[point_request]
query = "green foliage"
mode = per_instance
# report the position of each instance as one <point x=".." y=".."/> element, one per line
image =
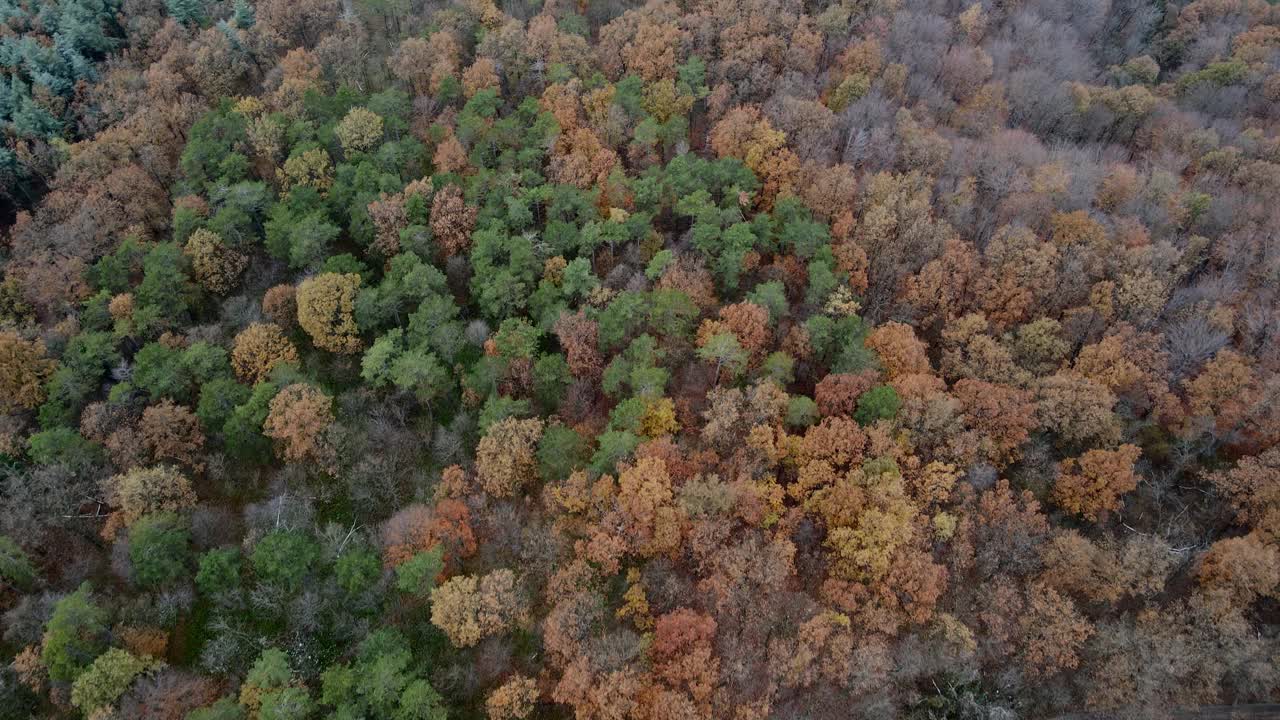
<point x="357" y="570"/>
<point x="614" y="446"/>
<point x="561" y="451"/>
<point x="224" y="709"/>
<point x="498" y="407"/>
<point x="242" y="432"/>
<point x="415" y="369"/>
<point x="504" y="271"/>
<point x="63" y="446"/>
<point x="658" y="264"/>
<point x="771" y="296"/>
<point x="879" y="403"/>
<point x="779" y="367"/>
<point x="672" y="314"/>
<point x="166" y="294"/>
<point x="636" y="369"/>
<point x="50" y="48"/>
<point x="158" y="549"/>
<point x="219" y="398"/>
<point x="381" y="683"/>
<point x="219" y="571"/>
<point x="291" y="703"/>
<point x="74" y="636"/>
<point x="417" y="576"/>
<point x="802" y="411"/>
<point x="621" y="318"/>
<point x="176" y="374"/>
<point x="107" y="679"/>
<point x="187" y="12"/>
<point x="551" y="378"/>
<point x="284" y="558"/>
<point x="243" y="14"/>
<point x="725" y="352"/>
<point x="271" y="670"/>
<point x="120" y="269"/>
<point x="15" y="567"/>
<point x="213" y="154"/>
<point x="86" y="359"/>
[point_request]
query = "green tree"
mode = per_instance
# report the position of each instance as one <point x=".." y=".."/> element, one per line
<point x="158" y="549"/>
<point x="107" y="679"/>
<point x="243" y="14"/>
<point x="15" y="567"/>
<point x="219" y="571"/>
<point x="224" y="709"/>
<point x="74" y="635"/>
<point x="357" y="570"/>
<point x="187" y="12"/>
<point x="724" y="351"/>
<point x="879" y="403"/>
<point x="561" y="451"/>
<point x="417" y="576"/>
<point x="285" y="557"/>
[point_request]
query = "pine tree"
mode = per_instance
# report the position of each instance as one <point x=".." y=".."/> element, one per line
<point x="187" y="12"/>
<point x="243" y="15"/>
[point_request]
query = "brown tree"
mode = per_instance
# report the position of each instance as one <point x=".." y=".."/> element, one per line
<point x="172" y="433"/>
<point x="1245" y="568"/>
<point x="280" y="305"/>
<point x="505" y="456"/>
<point x="258" y="349"/>
<point x="217" y="267"/>
<point x="298" y="420"/>
<point x="1053" y="632"/>
<point x="1093" y="483"/>
<point x="23" y="372"/>
<point x="146" y="490"/>
<point x="515" y="699"/>
<point x="469" y="608"/>
<point x="578" y="336"/>
<point x="326" y="307"/>
<point x="452" y="221"/>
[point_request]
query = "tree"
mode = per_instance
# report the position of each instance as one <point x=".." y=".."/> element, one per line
<point x="217" y="267"/>
<point x="1093" y="483"/>
<point x="452" y="220"/>
<point x="515" y="699"/>
<point x="187" y="12"/>
<point x="258" y="349"/>
<point x="107" y="679"/>
<point x="578" y="335"/>
<point x="74" y="636"/>
<point x="280" y="305"/>
<point x="142" y="491"/>
<point x="505" y="456"/>
<point x="284" y="557"/>
<point x="879" y="403"/>
<point x="172" y="433"/>
<point x="1053" y="632"/>
<point x="243" y="14"/>
<point x="899" y="349"/>
<point x="838" y="393"/>
<point x="219" y="571"/>
<point x="1245" y="568"/>
<point x="158" y="549"/>
<point x="359" y="131"/>
<point x="724" y="351"/>
<point x="15" y="567"/>
<point x="470" y="608"/>
<point x="24" y="369"/>
<point x="299" y="418"/>
<point x="326" y="306"/>
<point x="1077" y="409"/>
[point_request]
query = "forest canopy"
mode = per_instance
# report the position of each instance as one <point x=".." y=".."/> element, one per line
<point x="413" y="360"/>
